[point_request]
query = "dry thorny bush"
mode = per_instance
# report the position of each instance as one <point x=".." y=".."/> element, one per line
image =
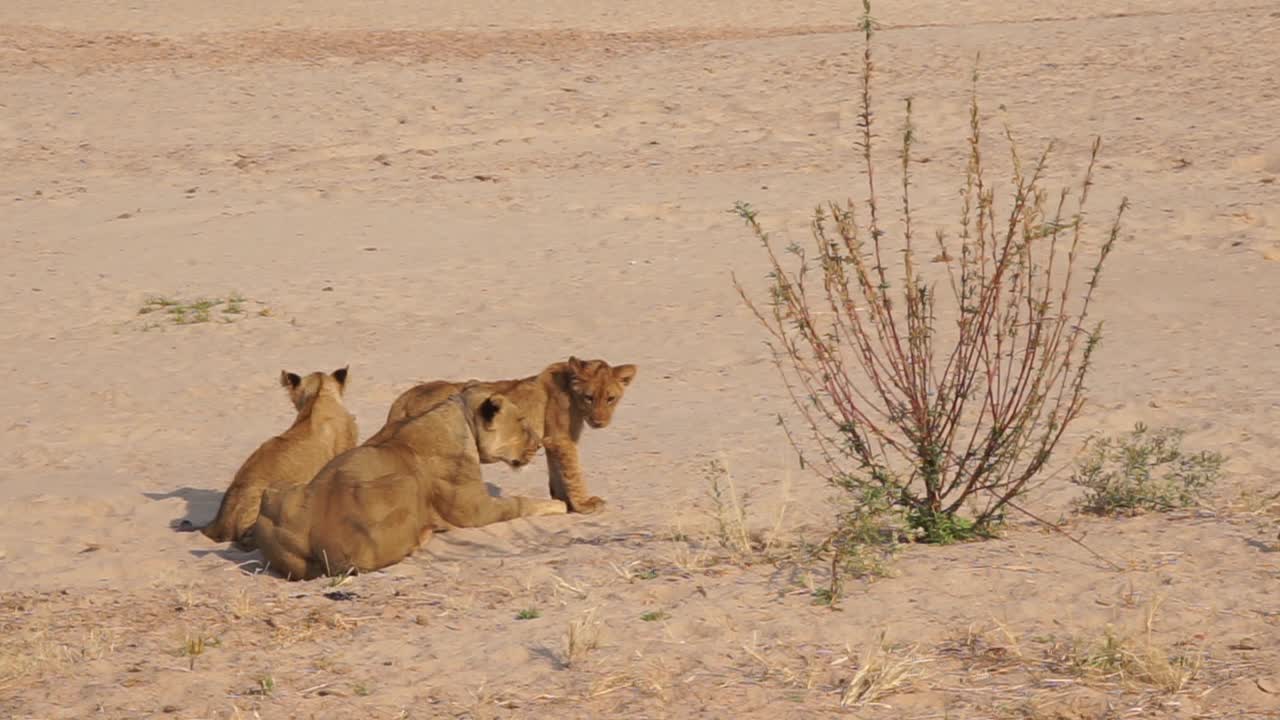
<point x="949" y="432"/>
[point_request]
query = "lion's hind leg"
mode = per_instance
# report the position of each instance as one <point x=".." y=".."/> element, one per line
<point x="381" y="524"/>
<point x="286" y="550"/>
<point x="286" y="553"/>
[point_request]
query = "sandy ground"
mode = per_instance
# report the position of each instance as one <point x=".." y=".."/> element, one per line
<point x="483" y="188"/>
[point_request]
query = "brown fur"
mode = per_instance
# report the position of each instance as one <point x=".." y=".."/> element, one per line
<point x="323" y="429"/>
<point x="559" y="401"/>
<point x="374" y="505"/>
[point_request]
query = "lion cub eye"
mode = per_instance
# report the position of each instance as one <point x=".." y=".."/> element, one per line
<point x="613" y="399"/>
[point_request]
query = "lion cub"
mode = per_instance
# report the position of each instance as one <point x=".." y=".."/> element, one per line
<point x="559" y="401"/>
<point x="322" y="430"/>
<point x="373" y="506"/>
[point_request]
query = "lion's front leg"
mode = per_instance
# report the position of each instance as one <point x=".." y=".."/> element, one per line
<point x="534" y="507"/>
<point x="566" y="479"/>
<point x="476" y="508"/>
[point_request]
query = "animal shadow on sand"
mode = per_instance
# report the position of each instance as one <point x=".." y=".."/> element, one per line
<point x="249" y="561"/>
<point x="202" y="505"/>
<point x="1262" y="545"/>
<point x="512" y="540"/>
<point x="558" y="662"/>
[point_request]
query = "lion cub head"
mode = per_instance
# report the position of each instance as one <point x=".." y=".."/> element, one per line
<point x="597" y="388"/>
<point x="503" y="433"/>
<point x="303" y="389"/>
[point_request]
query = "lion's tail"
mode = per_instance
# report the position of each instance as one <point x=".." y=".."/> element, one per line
<point x="270" y="502"/>
<point x="222" y="527"/>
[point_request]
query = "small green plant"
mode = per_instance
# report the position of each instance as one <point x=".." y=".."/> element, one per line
<point x="646" y="574"/>
<point x="729" y="510"/>
<point x="654" y="616"/>
<point x="1107" y="656"/>
<point x="361" y="689"/>
<point x="194" y="646"/>
<point x="266" y="686"/>
<point x="199" y="310"/>
<point x="528" y="614"/>
<point x="943" y="529"/>
<point x="1144" y="470"/>
<point x="863" y="542"/>
<point x="156" y="303"/>
<point x="826" y="596"/>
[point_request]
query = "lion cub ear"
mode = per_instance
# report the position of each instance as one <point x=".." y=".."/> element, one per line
<point x="341" y="375"/>
<point x="290" y="380"/>
<point x="576" y="366"/>
<point x="490" y="407"/>
<point x="624" y="374"/>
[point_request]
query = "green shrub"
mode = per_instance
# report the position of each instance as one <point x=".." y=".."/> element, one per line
<point x="1143" y="470"/>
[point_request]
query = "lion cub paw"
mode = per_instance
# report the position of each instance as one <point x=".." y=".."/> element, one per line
<point x="592" y="504"/>
<point x="549" y="507"/>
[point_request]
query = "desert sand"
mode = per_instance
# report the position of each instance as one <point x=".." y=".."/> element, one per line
<point x="455" y="190"/>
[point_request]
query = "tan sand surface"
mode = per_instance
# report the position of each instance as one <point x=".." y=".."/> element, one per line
<point x="454" y="190"/>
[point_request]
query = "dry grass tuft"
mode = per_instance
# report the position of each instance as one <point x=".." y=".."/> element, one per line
<point x="689" y="556"/>
<point x="562" y="586"/>
<point x="242" y="606"/>
<point x="1132" y="662"/>
<point x="986" y="649"/>
<point x="32" y="652"/>
<point x="884" y="670"/>
<point x="732" y="532"/>
<point x="798" y="668"/>
<point x="652" y="676"/>
<point x="731" y="536"/>
<point x="881" y="671"/>
<point x="582" y="638"/>
<point x="1105" y="660"/>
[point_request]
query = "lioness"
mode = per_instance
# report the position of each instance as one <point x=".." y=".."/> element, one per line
<point x="373" y="506"/>
<point x="322" y="430"/>
<point x="558" y="400"/>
